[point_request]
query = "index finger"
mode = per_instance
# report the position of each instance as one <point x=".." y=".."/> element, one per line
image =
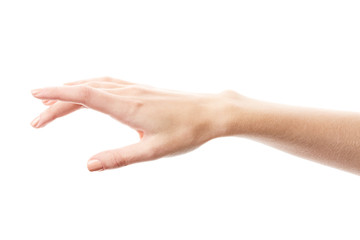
<point x="84" y="95"/>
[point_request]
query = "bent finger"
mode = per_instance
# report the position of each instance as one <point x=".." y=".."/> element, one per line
<point x="55" y="111"/>
<point x="90" y="97"/>
<point x="84" y="95"/>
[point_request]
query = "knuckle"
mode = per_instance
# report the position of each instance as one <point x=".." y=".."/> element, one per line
<point x="90" y="84"/>
<point x="106" y="79"/>
<point x="230" y="93"/>
<point x="85" y="92"/>
<point x="119" y="161"/>
<point x="93" y="84"/>
<point x="135" y="89"/>
<point x="131" y="111"/>
<point x="129" y="88"/>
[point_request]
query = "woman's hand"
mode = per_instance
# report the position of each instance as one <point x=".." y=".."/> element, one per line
<point x="171" y="122"/>
<point x="168" y="122"/>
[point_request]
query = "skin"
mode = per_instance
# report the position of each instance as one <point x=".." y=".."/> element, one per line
<point x="172" y="122"/>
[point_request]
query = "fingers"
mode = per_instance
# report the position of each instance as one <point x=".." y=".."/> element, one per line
<point x="100" y="85"/>
<point x="103" y="79"/>
<point x="64" y="108"/>
<point x="84" y="95"/>
<point x="128" y="91"/>
<point x="95" y="84"/>
<point x="138" y="152"/>
<point x="55" y="111"/>
<point x="103" y="85"/>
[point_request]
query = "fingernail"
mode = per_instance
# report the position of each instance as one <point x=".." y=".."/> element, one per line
<point x="35" y="122"/>
<point x="36" y="91"/>
<point x="95" y="165"/>
<point x="49" y="102"/>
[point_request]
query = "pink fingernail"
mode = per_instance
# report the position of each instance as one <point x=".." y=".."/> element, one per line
<point x="94" y="165"/>
<point x="35" y="122"/>
<point x="36" y="91"/>
<point x="49" y="102"/>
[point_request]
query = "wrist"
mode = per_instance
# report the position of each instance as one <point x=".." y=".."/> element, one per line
<point x="237" y="115"/>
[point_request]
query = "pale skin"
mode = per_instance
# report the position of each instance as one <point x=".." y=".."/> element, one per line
<point x="172" y="122"/>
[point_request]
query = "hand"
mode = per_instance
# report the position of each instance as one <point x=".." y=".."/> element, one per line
<point x="168" y="122"/>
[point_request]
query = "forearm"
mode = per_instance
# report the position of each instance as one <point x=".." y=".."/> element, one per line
<point x="328" y="137"/>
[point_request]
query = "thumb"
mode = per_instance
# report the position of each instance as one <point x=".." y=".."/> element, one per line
<point x="115" y="158"/>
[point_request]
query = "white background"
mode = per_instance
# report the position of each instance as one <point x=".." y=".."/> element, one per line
<point x="295" y="52"/>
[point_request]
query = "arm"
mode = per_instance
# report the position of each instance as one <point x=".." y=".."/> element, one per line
<point x="328" y="137"/>
<point x="171" y="122"/>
